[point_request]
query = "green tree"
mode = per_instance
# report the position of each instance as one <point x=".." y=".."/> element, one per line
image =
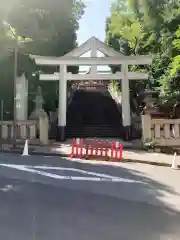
<point x="150" y="27"/>
<point x="170" y="81"/>
<point x="44" y="27"/>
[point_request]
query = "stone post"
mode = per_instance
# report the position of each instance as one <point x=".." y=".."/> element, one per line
<point x="146" y="127"/>
<point x="21" y="98"/>
<point x="44" y="130"/>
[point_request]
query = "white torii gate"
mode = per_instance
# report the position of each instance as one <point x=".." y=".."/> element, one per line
<point x="112" y="57"/>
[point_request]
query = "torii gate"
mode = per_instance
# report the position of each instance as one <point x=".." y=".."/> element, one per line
<point x="112" y="57"/>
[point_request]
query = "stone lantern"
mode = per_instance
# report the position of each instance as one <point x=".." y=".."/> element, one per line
<point x="149" y="100"/>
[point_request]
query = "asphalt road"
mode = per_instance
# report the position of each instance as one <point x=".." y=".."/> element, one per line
<point x="51" y="199"/>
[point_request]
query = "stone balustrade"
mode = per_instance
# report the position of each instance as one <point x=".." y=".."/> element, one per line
<point x="24" y="129"/>
<point x="33" y="130"/>
<point x="164" y="132"/>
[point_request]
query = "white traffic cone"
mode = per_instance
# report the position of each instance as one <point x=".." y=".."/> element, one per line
<point x="25" y="151"/>
<point x="174" y="163"/>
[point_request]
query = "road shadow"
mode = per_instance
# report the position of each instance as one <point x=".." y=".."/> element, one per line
<point x="37" y="207"/>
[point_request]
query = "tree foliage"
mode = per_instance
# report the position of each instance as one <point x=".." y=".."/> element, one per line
<point x="150" y="27"/>
<point x="43" y="27"/>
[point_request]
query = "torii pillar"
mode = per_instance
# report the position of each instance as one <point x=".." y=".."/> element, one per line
<point x="126" y="112"/>
<point x="61" y="126"/>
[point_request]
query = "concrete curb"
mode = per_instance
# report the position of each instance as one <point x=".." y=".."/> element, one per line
<point x="34" y="153"/>
<point x="31" y="152"/>
<point x="162" y="164"/>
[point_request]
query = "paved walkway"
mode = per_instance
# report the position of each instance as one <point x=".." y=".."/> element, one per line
<point x="64" y="149"/>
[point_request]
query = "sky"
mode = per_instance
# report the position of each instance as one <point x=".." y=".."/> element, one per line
<point x="93" y="21"/>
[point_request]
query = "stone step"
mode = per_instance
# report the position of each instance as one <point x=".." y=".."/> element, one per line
<point x="95" y="131"/>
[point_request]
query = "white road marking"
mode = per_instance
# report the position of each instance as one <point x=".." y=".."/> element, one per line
<point x="76" y="170"/>
<point x="64" y="169"/>
<point x="7" y="188"/>
<point x="101" y="177"/>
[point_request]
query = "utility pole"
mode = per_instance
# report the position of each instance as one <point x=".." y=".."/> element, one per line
<point x="14" y="86"/>
<point x="16" y="50"/>
<point x="2" y="117"/>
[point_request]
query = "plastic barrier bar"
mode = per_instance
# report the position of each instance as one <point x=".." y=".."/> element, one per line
<point x="106" y="148"/>
<point x="77" y="148"/>
<point x="116" y="151"/>
<point x="96" y="149"/>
